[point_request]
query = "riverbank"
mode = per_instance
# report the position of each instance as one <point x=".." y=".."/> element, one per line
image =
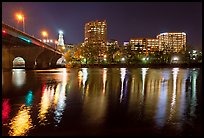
<point x="192" y="65"/>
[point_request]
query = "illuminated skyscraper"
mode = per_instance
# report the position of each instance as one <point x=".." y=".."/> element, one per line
<point x="172" y="42"/>
<point x="95" y="35"/>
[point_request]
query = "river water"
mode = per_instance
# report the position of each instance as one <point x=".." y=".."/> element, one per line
<point x="102" y="101"/>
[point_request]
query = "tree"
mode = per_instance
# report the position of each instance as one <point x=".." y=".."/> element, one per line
<point x="68" y="56"/>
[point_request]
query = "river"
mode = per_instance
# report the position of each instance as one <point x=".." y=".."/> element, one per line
<point x="102" y="101"/>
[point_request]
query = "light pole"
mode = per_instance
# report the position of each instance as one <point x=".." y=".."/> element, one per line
<point x="21" y="17"/>
<point x="44" y="34"/>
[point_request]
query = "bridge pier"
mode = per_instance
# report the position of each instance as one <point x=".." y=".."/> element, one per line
<point x="46" y="59"/>
<point x="6" y="62"/>
<point x="54" y="60"/>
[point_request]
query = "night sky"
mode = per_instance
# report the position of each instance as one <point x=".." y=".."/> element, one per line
<point x="125" y="20"/>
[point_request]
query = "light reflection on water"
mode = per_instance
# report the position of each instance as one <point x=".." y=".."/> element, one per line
<point x="18" y="77"/>
<point x="163" y="96"/>
<point x="21" y="123"/>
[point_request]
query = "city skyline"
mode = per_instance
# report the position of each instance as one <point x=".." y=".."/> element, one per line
<point x="124" y="20"/>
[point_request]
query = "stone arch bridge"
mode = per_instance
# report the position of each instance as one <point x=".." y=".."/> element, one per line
<point x="36" y="54"/>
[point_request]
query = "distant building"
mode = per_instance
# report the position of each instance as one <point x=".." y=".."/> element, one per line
<point x="96" y="35"/>
<point x="125" y="43"/>
<point x="172" y="42"/>
<point x="195" y="55"/>
<point x="112" y="43"/>
<point x="60" y="40"/>
<point x="145" y="45"/>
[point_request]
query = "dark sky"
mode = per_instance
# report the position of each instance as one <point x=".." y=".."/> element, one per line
<point x="125" y="20"/>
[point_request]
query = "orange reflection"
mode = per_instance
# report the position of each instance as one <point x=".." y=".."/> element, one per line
<point x="45" y="104"/>
<point x="21" y="123"/>
<point x="104" y="79"/>
<point x="80" y="78"/>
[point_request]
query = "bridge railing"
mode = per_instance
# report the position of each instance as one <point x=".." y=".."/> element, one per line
<point x="22" y="35"/>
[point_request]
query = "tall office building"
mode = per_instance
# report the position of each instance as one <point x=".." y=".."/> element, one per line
<point x="172" y="42"/>
<point x="96" y="35"/>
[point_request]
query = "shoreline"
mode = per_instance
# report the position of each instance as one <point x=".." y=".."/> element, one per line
<point x="194" y="65"/>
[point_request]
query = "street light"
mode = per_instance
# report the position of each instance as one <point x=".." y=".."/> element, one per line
<point x="20" y="17"/>
<point x="44" y="34"/>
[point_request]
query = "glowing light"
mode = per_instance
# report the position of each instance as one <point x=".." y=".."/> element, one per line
<point x="144" y="72"/>
<point x="25" y="39"/>
<point x="104" y="79"/>
<point x="163" y="33"/>
<point x="123" y="59"/>
<point x="44" y="33"/>
<point x="84" y="79"/>
<point x="61" y="97"/>
<point x="51" y="41"/>
<point x="3" y="31"/>
<point x="18" y="62"/>
<point x="194" y="51"/>
<point x="193" y="105"/>
<point x="20" y="17"/>
<point x="29" y="98"/>
<point x="175" y="74"/>
<point x="21" y="123"/>
<point x="44" y="105"/>
<point x="60" y="104"/>
<point x="6" y="109"/>
<point x="19" y="77"/>
<point x="161" y="105"/>
<point x="122" y="72"/>
<point x="80" y="78"/>
<point x="60" y="32"/>
<point x="175" y="58"/>
<point x="48" y="40"/>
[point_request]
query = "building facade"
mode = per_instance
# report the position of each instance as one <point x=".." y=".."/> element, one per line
<point x="172" y="42"/>
<point x="96" y="35"/>
<point x="145" y="45"/>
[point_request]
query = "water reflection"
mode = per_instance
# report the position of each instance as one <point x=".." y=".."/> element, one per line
<point x="21" y="123"/>
<point x="60" y="98"/>
<point x="121" y="97"/>
<point x="193" y="79"/>
<point x="104" y="79"/>
<point x="84" y="77"/>
<point x="18" y="77"/>
<point x="162" y="102"/>
<point x="122" y="72"/>
<point x="175" y="74"/>
<point x="29" y="98"/>
<point x="45" y="103"/>
<point x="144" y="72"/>
<point x="6" y="109"/>
<point x="53" y="95"/>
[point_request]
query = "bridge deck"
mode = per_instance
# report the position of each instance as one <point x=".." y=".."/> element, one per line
<point x="26" y="37"/>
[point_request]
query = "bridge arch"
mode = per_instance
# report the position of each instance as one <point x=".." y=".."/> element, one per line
<point x="61" y="61"/>
<point x="18" y="62"/>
